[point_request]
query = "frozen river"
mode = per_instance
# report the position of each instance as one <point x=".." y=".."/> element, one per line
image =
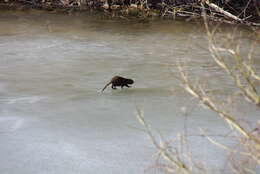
<point x="55" y="120"/>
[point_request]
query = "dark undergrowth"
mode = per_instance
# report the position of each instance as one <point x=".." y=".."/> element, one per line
<point x="228" y="11"/>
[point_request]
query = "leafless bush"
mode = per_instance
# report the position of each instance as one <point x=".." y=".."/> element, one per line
<point x="245" y="156"/>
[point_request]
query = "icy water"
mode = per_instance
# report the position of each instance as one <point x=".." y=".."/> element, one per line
<point x="55" y="120"/>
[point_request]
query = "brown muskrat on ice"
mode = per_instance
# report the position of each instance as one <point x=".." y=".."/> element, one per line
<point x="119" y="81"/>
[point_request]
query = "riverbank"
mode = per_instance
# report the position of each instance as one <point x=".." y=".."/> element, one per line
<point x="230" y="11"/>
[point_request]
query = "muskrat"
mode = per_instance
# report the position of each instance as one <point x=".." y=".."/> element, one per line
<point x="119" y="81"/>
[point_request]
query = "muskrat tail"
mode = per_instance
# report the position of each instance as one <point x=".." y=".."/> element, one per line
<point x="106" y="86"/>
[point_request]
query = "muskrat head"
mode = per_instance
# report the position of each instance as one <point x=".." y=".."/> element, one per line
<point x="130" y="81"/>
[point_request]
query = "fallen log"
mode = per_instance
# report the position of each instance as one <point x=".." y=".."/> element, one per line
<point x="222" y="11"/>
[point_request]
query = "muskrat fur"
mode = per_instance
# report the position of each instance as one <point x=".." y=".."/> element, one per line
<point x="119" y="81"/>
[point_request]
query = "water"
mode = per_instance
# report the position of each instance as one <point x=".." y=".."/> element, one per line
<point x="53" y="117"/>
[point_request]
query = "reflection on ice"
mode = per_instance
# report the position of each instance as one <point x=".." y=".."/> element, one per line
<point x="10" y="123"/>
<point x="16" y="100"/>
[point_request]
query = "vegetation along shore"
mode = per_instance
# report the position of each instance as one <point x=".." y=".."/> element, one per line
<point x="228" y="11"/>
